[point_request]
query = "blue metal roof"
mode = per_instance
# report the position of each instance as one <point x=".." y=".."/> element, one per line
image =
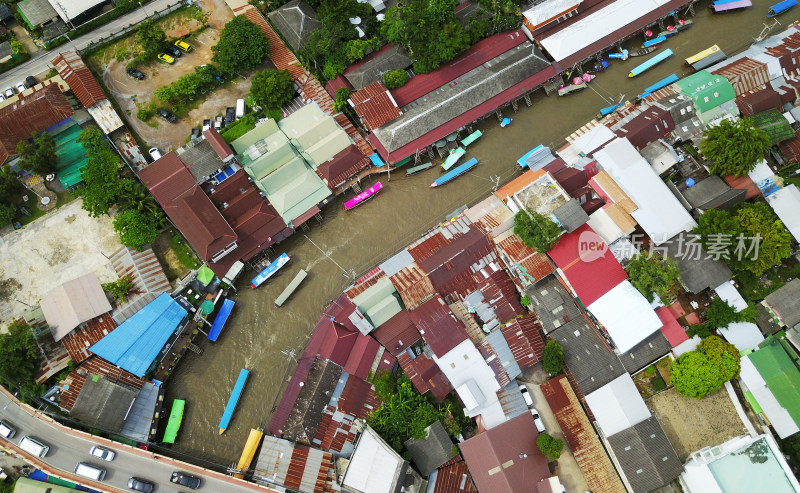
<point x="503" y="351"/>
<point x="135" y="344"/>
<point x="221" y="319"/>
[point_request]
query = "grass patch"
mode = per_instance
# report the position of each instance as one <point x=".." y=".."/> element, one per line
<point x="650" y="370"/>
<point x="239" y="128"/>
<point x="185" y="254"/>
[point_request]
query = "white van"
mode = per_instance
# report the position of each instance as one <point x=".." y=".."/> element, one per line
<point x="239" y="108"/>
<point x="90" y="471"/>
<point x="6" y="430"/>
<point x="33" y="446"/>
<point x="155" y="153"/>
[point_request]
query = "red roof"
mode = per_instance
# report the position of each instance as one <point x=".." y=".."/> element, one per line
<point x="358" y="398"/>
<point x="671" y="329"/>
<point x="480" y="53"/>
<point x="425" y="375"/>
<point x="438" y="325"/>
<point x="590" y="278"/>
<point x="525" y="340"/>
<point x="342" y="166"/>
<point x="398" y="333"/>
<point x="338" y="343"/>
<point x="71" y="68"/>
<point x="651" y="125"/>
<point x="361" y="357"/>
<point x="78" y="341"/>
<point x="34" y="112"/>
<point x="333" y="85"/>
<point x="452" y="475"/>
<point x="219" y="145"/>
<point x="175" y="188"/>
<point x="501" y="293"/>
<point x="375" y="105"/>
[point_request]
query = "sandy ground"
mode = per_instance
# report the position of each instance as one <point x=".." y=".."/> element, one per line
<point x="691" y="424"/>
<point x="61" y="246"/>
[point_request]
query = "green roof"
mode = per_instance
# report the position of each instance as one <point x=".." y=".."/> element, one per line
<point x="707" y="90"/>
<point x="780" y="373"/>
<point x="25" y="485"/>
<point x="776" y="126"/>
<point x="71" y="156"/>
<point x="205" y="275"/>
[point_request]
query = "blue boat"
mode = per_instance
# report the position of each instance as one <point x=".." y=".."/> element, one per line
<point x="455" y="173"/>
<point x="233" y="401"/>
<point x="270" y="270"/>
<point x="654" y="41"/>
<point x="659" y="85"/>
<point x="651" y="63"/>
<point x="610" y="109"/>
<point x="781" y="7"/>
<point x="220" y="320"/>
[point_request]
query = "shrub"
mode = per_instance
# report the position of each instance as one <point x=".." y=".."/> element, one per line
<point x="659" y="384"/>
<point x="342" y="94"/>
<point x="395" y="78"/>
<point x="553" y="358"/>
<point x="551" y="447"/>
<point x="145" y="113"/>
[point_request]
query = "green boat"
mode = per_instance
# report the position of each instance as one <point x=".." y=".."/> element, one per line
<point x="175" y="418"/>
<point x="471" y="138"/>
<point x="417" y="169"/>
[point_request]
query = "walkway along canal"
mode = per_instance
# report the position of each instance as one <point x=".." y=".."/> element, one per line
<point x="259" y="335"/>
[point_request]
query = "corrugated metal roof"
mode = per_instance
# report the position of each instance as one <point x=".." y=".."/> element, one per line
<point x="413" y="286"/>
<point x="79" y="340"/>
<point x="438" y="325"/>
<point x="398" y="333"/>
<point x="454" y="477"/>
<point x="396" y="263"/>
<point x="73" y="383"/>
<point x="375" y="105"/>
<point x="74" y="302"/>
<point x="524" y="340"/>
<point x="512" y="401"/>
<point x="745" y="74"/>
<point x="147" y="276"/>
<point x="504" y="354"/>
<point x="71" y="68"/>
<point x="105" y="116"/>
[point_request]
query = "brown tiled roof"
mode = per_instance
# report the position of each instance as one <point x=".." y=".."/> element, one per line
<point x="452" y="475"/>
<point x="413" y="286"/>
<point x="71" y="68"/>
<point x="73" y="383"/>
<point x="398" y="333"/>
<point x="589" y="453"/>
<point x="79" y="340"/>
<point x="219" y="145"/>
<point x="375" y="105"/>
<point x="34" y="112"/>
<point x="346" y="163"/>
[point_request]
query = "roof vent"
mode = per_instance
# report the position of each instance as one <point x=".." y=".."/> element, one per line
<point x="224" y="205"/>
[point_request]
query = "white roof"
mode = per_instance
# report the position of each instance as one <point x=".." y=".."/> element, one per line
<point x="373" y="466"/>
<point x="602" y="224"/>
<point x="761" y="172"/>
<point x="474" y="382"/>
<point x="660" y="214"/>
<point x="617" y="405"/>
<point x="73" y="303"/>
<point x="626" y="316"/>
<point x="728" y="292"/>
<point x="686" y="346"/>
<point x="596" y="26"/>
<point x="105" y="116"/>
<point x="70" y="9"/>
<point x="697" y="478"/>
<point x="778" y="415"/>
<point x="786" y="202"/>
<point x="743" y="335"/>
<point x="549" y="9"/>
<point x="594" y="138"/>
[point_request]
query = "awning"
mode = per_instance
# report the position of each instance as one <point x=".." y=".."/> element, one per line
<point x="302" y="218"/>
<point x="221" y="319"/>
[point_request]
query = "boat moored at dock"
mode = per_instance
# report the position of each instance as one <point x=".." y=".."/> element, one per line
<point x="175" y="419"/>
<point x="270" y="270"/>
<point x="655" y="41"/>
<point x="233" y="400"/>
<point x="469" y="139"/>
<point x="659" y="85"/>
<point x="363" y="196"/>
<point x="447" y="177"/>
<point x="453" y="157"/>
<point x="699" y="56"/>
<point x="726" y="6"/>
<point x="281" y="299"/>
<point x="221" y="320"/>
<point x="651" y="63"/>
<point x="781" y="7"/>
<point x="418" y="169"/>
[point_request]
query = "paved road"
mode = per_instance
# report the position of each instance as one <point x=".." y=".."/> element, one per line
<point x="40" y="60"/>
<point x="68" y="447"/>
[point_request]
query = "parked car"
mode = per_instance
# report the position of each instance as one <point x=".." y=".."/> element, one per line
<point x="135" y="73"/>
<point x="6" y="430"/>
<point x="103" y="453"/>
<point x="537" y="420"/>
<point x="137" y="484"/>
<point x="167" y="115"/>
<point x="195" y="133"/>
<point x="9" y="92"/>
<point x="173" y="51"/>
<point x="155" y="153"/>
<point x="183" y="46"/>
<point x="166" y="58"/>
<point x="21" y="87"/>
<point x="230" y="115"/>
<point x="206" y="124"/>
<point x="218" y="120"/>
<point x="526" y="395"/>
<point x="185" y="480"/>
<point x="30" y="81"/>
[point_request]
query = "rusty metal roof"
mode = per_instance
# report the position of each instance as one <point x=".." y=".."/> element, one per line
<point x="398" y="333"/>
<point x="438" y="325"/>
<point x="454" y="477"/>
<point x="745" y="74"/>
<point x="78" y="341"/>
<point x="73" y="383"/>
<point x="525" y="340"/>
<point x="413" y="285"/>
<point x="71" y="68"/>
<point x="147" y="276"/>
<point x="375" y="105"/>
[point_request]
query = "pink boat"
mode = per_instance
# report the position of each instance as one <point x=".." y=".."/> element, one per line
<point x="363" y="196"/>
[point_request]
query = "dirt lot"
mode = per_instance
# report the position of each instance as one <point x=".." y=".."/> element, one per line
<point x="691" y="424"/>
<point x="158" y="132"/>
<point x="57" y="248"/>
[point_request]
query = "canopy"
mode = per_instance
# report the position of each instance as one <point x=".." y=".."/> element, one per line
<point x="205" y="275"/>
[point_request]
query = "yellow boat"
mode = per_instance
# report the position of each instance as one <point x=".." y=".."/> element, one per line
<point x="699" y="56"/>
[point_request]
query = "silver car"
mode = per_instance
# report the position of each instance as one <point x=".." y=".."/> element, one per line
<point x="102" y="453"/>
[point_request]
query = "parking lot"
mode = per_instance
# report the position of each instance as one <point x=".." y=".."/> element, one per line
<point x="131" y="93"/>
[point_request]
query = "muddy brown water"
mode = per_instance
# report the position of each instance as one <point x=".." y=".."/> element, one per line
<point x="259" y="333"/>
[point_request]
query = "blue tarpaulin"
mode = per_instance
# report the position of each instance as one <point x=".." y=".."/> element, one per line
<point x="376" y="160"/>
<point x="221" y="319"/>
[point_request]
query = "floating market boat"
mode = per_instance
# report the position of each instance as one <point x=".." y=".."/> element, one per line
<point x="221" y="319"/>
<point x="655" y="41"/>
<point x="659" y="85"/>
<point x="418" y="169"/>
<point x="453" y="157"/>
<point x="469" y="139"/>
<point x="781" y="7"/>
<point x="622" y="55"/>
<point x="727" y="6"/>
<point x="233" y="401"/>
<point x="699" y="56"/>
<point x="709" y="61"/>
<point x="644" y="51"/>
<point x="363" y="196"/>
<point x="280" y="300"/>
<point x="270" y="270"/>
<point x="451" y="175"/>
<point x="175" y="418"/>
<point x="651" y="63"/>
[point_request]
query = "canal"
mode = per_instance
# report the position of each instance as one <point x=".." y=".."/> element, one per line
<point x="261" y="337"/>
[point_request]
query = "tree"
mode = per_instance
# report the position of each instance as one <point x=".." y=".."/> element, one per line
<point x="342" y="95"/>
<point x="553" y="358"/>
<point x="93" y="140"/>
<point x="735" y="148"/>
<point x="103" y="186"/>
<point x="707" y="368"/>
<point x="134" y="196"/>
<point x="151" y="37"/>
<point x="17" y="47"/>
<point x="384" y="385"/>
<point x="120" y="288"/>
<point x="19" y="354"/>
<point x="395" y="78"/>
<point x="39" y="155"/>
<point x="356" y="49"/>
<point x="653" y="275"/>
<point x="7" y="213"/>
<point x="272" y="89"/>
<point x="135" y="229"/>
<point x="536" y="231"/>
<point x="428" y="29"/>
<point x="241" y="47"/>
<point x="549" y="446"/>
<point x="11" y="188"/>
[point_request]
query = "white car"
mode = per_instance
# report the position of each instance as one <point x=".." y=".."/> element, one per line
<point x="537" y="420"/>
<point x="21" y="87"/>
<point x="526" y="395"/>
<point x="155" y="153"/>
<point x="102" y="453"/>
<point x="9" y="92"/>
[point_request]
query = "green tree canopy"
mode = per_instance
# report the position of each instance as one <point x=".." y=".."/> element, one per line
<point x="11" y="188"/>
<point x="241" y="47"/>
<point x="720" y="314"/>
<point x="271" y="89"/>
<point x="550" y="446"/>
<point x="151" y="37"/>
<point x="38" y="156"/>
<point x="120" y="288"/>
<point x="735" y="148"/>
<point x="653" y="275"/>
<point x="136" y="229"/>
<point x="428" y="29"/>
<point x="342" y="95"/>
<point x="103" y="186"/>
<point x="553" y="358"/>
<point x="19" y="355"/>
<point x="395" y="78"/>
<point x="536" y="231"/>
<point x="707" y="368"/>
